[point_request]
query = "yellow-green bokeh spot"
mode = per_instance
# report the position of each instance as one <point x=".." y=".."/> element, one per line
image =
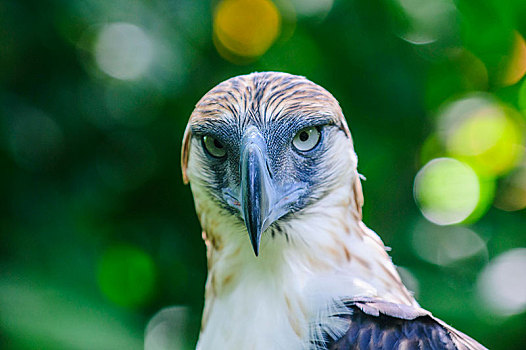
<point x="489" y="140"/>
<point x="126" y="276"/>
<point x="447" y="191"/>
<point x="511" y="195"/>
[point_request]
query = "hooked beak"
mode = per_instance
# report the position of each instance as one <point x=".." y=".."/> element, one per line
<point x="257" y="190"/>
<point x="262" y="200"/>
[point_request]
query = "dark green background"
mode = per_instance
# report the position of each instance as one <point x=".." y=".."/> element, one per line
<point x="93" y="203"/>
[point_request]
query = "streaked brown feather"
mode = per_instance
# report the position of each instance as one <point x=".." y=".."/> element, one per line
<point x="263" y="96"/>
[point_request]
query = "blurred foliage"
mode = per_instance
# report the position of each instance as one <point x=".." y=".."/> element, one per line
<point x="98" y="231"/>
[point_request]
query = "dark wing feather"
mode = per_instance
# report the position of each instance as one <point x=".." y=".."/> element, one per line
<point x="376" y="324"/>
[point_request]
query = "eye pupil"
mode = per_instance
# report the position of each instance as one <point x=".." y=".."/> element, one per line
<point x="306" y="139"/>
<point x="214" y="147"/>
<point x="217" y="144"/>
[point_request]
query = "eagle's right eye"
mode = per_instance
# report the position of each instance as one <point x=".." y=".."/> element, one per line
<point x="214" y="147"/>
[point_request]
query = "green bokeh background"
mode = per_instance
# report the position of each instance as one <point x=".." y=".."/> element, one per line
<point x="98" y="232"/>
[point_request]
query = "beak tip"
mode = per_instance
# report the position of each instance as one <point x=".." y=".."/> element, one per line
<point x="254" y="239"/>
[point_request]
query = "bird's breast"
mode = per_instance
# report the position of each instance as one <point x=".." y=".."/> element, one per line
<point x="272" y="302"/>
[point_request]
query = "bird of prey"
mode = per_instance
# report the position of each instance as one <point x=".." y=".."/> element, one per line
<point x="271" y="165"/>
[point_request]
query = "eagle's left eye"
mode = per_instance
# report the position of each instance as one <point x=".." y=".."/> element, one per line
<point x="306" y="139"/>
<point x="214" y="147"/>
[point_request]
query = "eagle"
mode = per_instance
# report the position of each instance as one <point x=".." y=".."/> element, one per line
<point x="291" y="265"/>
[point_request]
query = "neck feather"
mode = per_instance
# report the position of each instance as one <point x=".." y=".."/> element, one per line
<point x="307" y="265"/>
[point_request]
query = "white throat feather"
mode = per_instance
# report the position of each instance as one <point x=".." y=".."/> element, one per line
<point x="286" y="297"/>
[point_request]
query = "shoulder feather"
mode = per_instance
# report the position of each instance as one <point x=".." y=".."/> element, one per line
<point x="377" y="324"/>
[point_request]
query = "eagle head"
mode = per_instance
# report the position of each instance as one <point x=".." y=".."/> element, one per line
<point x="270" y="154"/>
<point x="262" y="148"/>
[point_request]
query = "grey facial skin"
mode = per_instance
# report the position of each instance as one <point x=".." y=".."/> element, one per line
<point x="263" y="178"/>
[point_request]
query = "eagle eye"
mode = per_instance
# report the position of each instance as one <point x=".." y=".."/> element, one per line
<point x="213" y="147"/>
<point x="306" y="139"/>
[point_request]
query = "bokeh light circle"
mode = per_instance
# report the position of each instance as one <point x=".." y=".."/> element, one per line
<point x="512" y="190"/>
<point x="482" y="133"/>
<point x="126" y="276"/>
<point x="447" y="191"/>
<point x="502" y="284"/>
<point x="167" y="329"/>
<point x="123" y="51"/>
<point x="313" y="8"/>
<point x="515" y="66"/>
<point x="245" y="28"/>
<point x="445" y="245"/>
<point x="427" y="21"/>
